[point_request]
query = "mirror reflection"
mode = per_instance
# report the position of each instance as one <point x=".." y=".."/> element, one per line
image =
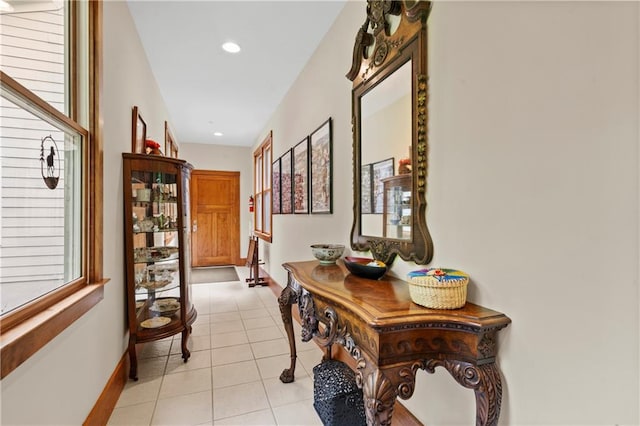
<point x="386" y="137"/>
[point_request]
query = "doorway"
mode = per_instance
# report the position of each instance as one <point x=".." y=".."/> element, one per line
<point x="215" y="213"/>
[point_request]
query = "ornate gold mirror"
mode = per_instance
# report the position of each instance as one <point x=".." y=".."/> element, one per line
<point x="389" y="107"/>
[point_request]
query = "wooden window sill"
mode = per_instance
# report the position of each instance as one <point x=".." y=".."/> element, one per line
<point x="20" y="342"/>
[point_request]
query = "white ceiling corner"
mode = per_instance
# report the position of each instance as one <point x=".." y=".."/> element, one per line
<point x="208" y="90"/>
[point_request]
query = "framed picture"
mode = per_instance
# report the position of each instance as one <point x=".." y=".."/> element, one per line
<point x="365" y="189"/>
<point x="321" y="169"/>
<point x="138" y="132"/>
<point x="301" y="176"/>
<point x="170" y="146"/>
<point x="275" y="187"/>
<point x="286" y="183"/>
<point x="380" y="170"/>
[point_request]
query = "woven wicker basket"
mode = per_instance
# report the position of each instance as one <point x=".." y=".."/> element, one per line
<point x="444" y="291"/>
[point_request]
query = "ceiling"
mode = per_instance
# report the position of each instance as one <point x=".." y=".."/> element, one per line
<point x="208" y="90"/>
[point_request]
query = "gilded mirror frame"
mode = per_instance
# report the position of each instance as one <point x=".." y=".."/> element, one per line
<point x="377" y="54"/>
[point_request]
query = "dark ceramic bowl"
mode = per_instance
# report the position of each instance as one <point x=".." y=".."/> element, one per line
<point x="360" y="266"/>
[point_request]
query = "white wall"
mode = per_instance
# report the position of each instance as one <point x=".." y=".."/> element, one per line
<point x="61" y="383"/>
<point x="124" y="86"/>
<point x="227" y="158"/>
<point x="534" y="125"/>
<point x="537" y="103"/>
<point x="320" y="91"/>
<point x="533" y="189"/>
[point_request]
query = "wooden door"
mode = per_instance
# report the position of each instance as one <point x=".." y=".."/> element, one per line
<point x="215" y="216"/>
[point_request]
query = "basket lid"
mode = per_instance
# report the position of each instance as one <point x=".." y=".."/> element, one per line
<point x="441" y="274"/>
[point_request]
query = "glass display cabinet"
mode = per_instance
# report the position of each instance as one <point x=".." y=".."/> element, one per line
<point x="156" y="230"/>
<point x="396" y="213"/>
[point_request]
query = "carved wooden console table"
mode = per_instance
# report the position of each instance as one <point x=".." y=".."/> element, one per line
<point x="390" y="337"/>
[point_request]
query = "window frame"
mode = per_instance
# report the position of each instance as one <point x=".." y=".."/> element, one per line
<point x="29" y="328"/>
<point x="262" y="166"/>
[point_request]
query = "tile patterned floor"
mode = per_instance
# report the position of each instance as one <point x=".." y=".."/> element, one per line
<point x="238" y="350"/>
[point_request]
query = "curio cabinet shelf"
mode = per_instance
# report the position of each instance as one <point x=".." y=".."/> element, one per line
<point x="396" y="214"/>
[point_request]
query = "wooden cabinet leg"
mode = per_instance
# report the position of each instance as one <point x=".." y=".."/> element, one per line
<point x="133" y="360"/>
<point x="185" y="339"/>
<point x="285" y="301"/>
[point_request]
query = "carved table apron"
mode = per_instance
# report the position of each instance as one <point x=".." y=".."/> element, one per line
<point x="390" y="337"/>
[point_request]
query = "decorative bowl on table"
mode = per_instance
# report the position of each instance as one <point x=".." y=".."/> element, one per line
<point x="327" y="254"/>
<point x="365" y="267"/>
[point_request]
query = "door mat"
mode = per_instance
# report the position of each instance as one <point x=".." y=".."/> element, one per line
<point x="213" y="275"/>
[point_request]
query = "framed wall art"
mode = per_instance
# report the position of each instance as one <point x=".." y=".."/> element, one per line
<point x="275" y="187"/>
<point x="286" y="183"/>
<point x="170" y="146"/>
<point x="301" y="176"/>
<point x="380" y="170"/>
<point x="321" y="168"/>
<point x="138" y="132"/>
<point x="365" y="189"/>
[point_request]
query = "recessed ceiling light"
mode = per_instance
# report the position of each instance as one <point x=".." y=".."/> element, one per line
<point x="217" y="134"/>
<point x="231" y="47"/>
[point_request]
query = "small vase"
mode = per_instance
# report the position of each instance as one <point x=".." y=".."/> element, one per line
<point x="404" y="169"/>
<point x="154" y="151"/>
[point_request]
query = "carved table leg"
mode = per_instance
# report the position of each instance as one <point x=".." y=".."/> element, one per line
<point x="285" y="301"/>
<point x="379" y="398"/>
<point x="382" y="386"/>
<point x="485" y="380"/>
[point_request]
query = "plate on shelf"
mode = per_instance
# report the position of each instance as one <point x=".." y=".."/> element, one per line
<point x="154" y="284"/>
<point x="153" y="254"/>
<point x="145" y="225"/>
<point x="155" y="322"/>
<point x="167" y="306"/>
<point x="162" y="268"/>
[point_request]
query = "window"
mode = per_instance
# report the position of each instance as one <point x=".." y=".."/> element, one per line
<point x="262" y="189"/>
<point x="41" y="227"/>
<point x="50" y="172"/>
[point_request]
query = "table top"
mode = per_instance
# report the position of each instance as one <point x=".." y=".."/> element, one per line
<point x="385" y="302"/>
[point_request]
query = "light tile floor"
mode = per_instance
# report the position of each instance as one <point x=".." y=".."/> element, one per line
<point x="238" y="350"/>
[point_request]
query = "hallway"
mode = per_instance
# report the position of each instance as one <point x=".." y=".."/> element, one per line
<point x="238" y="350"/>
